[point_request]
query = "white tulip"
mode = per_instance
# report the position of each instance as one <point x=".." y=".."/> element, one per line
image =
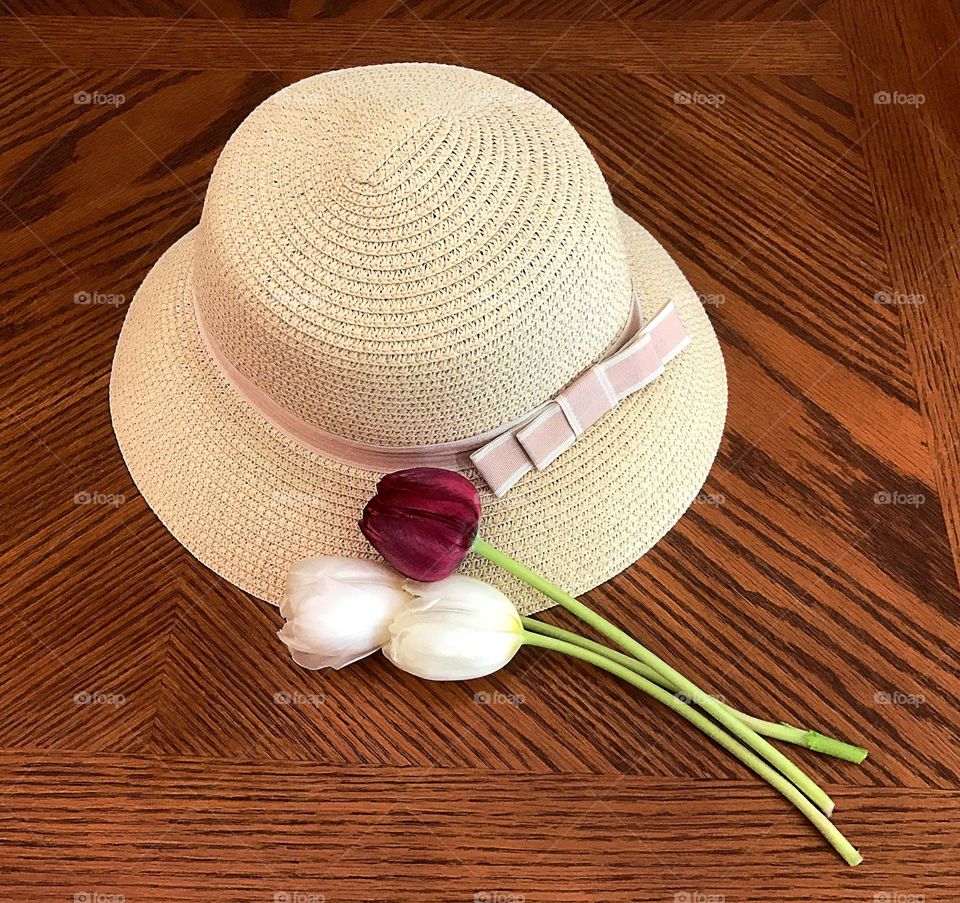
<point x="455" y="629"/>
<point x="338" y="610"/>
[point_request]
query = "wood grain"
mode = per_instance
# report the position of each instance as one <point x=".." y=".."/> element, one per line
<point x="368" y="10"/>
<point x="917" y="203"/>
<point x="155" y="741"/>
<point x="183" y="829"/>
<point x="69" y="42"/>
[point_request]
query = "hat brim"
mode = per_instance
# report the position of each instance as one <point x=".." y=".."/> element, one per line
<point x="247" y="501"/>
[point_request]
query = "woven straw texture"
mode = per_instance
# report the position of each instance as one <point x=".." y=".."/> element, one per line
<point x="405" y="255"/>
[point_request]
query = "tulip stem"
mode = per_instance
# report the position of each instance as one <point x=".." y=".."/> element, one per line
<point x="684" y="686"/>
<point x="778" y="731"/>
<point x="820" y="821"/>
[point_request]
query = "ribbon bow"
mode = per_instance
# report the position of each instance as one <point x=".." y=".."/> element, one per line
<point x="555" y="426"/>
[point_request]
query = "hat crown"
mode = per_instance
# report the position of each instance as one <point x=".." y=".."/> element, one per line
<point x="409" y="254"/>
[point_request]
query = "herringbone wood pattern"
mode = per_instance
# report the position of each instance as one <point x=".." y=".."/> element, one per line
<point x="155" y="741"/>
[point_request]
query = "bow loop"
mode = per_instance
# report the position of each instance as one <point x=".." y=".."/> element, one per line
<point x="587" y="399"/>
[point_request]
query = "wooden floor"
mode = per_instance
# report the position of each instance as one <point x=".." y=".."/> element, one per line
<point x="799" y="158"/>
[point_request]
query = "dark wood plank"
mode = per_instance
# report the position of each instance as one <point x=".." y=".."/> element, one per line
<point x="160" y="9"/>
<point x="202" y="830"/>
<point x="561" y="10"/>
<point x="646" y="46"/>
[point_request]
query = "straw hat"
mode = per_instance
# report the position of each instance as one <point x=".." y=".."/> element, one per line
<point x="391" y="261"/>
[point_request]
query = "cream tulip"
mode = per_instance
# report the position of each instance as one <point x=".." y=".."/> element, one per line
<point x="338" y="610"/>
<point x="457" y="628"/>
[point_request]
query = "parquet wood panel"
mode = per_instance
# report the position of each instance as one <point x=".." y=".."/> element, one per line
<point x="155" y="741"/>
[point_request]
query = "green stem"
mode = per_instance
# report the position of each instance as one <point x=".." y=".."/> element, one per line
<point x="690" y="690"/>
<point x="823" y="824"/>
<point x="782" y="731"/>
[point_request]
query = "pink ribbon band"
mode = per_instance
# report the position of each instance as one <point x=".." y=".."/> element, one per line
<point x="556" y="425"/>
<point x="502" y="455"/>
<point x="381" y="458"/>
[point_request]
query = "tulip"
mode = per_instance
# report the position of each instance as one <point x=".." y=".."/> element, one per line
<point x="455" y="629"/>
<point x="423" y="521"/>
<point x="338" y="610"/>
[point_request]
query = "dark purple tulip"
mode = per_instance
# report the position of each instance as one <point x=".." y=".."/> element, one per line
<point x="423" y="521"/>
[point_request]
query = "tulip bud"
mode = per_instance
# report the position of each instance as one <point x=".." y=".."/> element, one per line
<point x="423" y="521"/>
<point x="339" y="610"/>
<point x="456" y="629"/>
